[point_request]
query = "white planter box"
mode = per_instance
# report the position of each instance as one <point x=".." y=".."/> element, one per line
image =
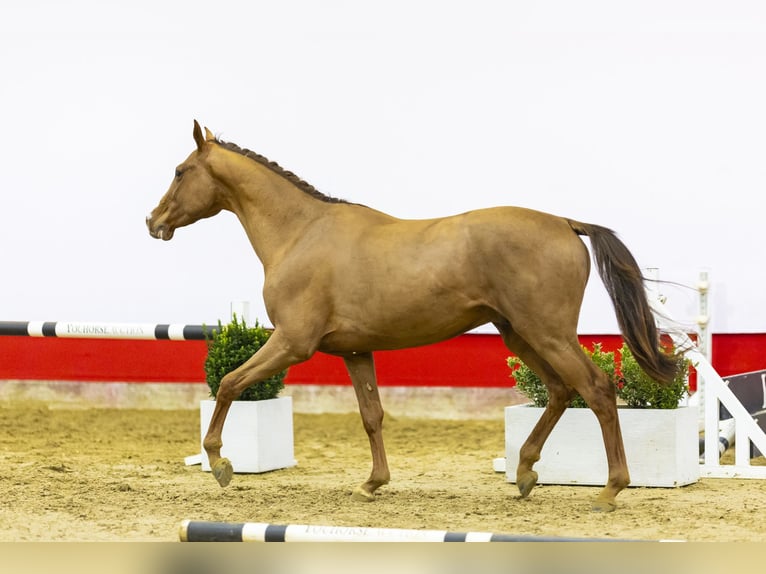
<point x="257" y="435"/>
<point x="661" y="445"/>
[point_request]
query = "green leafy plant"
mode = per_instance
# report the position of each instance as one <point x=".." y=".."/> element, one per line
<point x="634" y="386"/>
<point x="640" y="391"/>
<point x="230" y="346"/>
<point x="533" y="388"/>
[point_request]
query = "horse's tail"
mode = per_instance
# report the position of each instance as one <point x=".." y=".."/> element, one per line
<point x="625" y="284"/>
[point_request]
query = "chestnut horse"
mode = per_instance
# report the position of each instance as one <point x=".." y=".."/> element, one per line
<point x="348" y="280"/>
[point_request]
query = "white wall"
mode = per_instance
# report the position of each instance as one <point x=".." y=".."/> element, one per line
<point x="647" y="117"/>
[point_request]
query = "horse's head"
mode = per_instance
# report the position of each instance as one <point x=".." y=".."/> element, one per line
<point x="193" y="195"/>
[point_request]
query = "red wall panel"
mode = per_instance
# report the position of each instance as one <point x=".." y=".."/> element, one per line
<point x="60" y="359"/>
<point x="735" y="353"/>
<point x="468" y="360"/>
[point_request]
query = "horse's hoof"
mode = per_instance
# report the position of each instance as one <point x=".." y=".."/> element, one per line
<point x="361" y="495"/>
<point x="603" y="506"/>
<point x="223" y="471"/>
<point x="526" y="483"/>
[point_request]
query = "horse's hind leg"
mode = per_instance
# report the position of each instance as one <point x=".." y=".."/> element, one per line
<point x="558" y="399"/>
<point x="361" y="368"/>
<point x="601" y="397"/>
<point x="582" y="375"/>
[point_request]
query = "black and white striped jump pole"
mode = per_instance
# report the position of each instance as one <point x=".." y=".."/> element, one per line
<point x="85" y="330"/>
<point x="200" y="531"/>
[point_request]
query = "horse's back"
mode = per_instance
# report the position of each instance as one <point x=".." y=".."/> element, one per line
<point x="521" y="239"/>
<point x="481" y="247"/>
<point x="517" y="225"/>
<point x="392" y="282"/>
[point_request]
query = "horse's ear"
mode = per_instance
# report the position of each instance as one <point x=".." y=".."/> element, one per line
<point x="209" y="135"/>
<point x="198" y="135"/>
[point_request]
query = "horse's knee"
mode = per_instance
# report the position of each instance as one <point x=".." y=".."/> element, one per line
<point x="373" y="425"/>
<point x="372" y="416"/>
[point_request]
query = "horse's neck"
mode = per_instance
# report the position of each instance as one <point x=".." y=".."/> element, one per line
<point x="272" y="210"/>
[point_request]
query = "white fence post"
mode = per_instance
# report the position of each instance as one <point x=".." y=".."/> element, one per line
<point x="716" y="393"/>
<point x="242" y="310"/>
<point x="705" y="338"/>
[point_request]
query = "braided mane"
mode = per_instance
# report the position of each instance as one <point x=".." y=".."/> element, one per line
<point x="276" y="168"/>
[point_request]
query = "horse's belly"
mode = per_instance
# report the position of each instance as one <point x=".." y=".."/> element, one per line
<point x="401" y="332"/>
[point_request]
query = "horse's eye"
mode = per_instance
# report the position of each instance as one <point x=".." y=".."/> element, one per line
<point x="179" y="173"/>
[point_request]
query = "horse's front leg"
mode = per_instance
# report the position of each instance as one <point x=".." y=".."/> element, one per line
<point x="274" y="357"/>
<point x="361" y="368"/>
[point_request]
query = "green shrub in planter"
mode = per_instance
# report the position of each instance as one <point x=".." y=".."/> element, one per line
<point x="634" y="386"/>
<point x="533" y="388"/>
<point x="640" y="391"/>
<point x="229" y="347"/>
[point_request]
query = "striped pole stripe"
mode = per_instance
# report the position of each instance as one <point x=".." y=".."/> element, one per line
<point x="85" y="330"/>
<point x="200" y="531"/>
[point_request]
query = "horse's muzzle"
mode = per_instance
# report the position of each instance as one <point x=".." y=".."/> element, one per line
<point x="162" y="232"/>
